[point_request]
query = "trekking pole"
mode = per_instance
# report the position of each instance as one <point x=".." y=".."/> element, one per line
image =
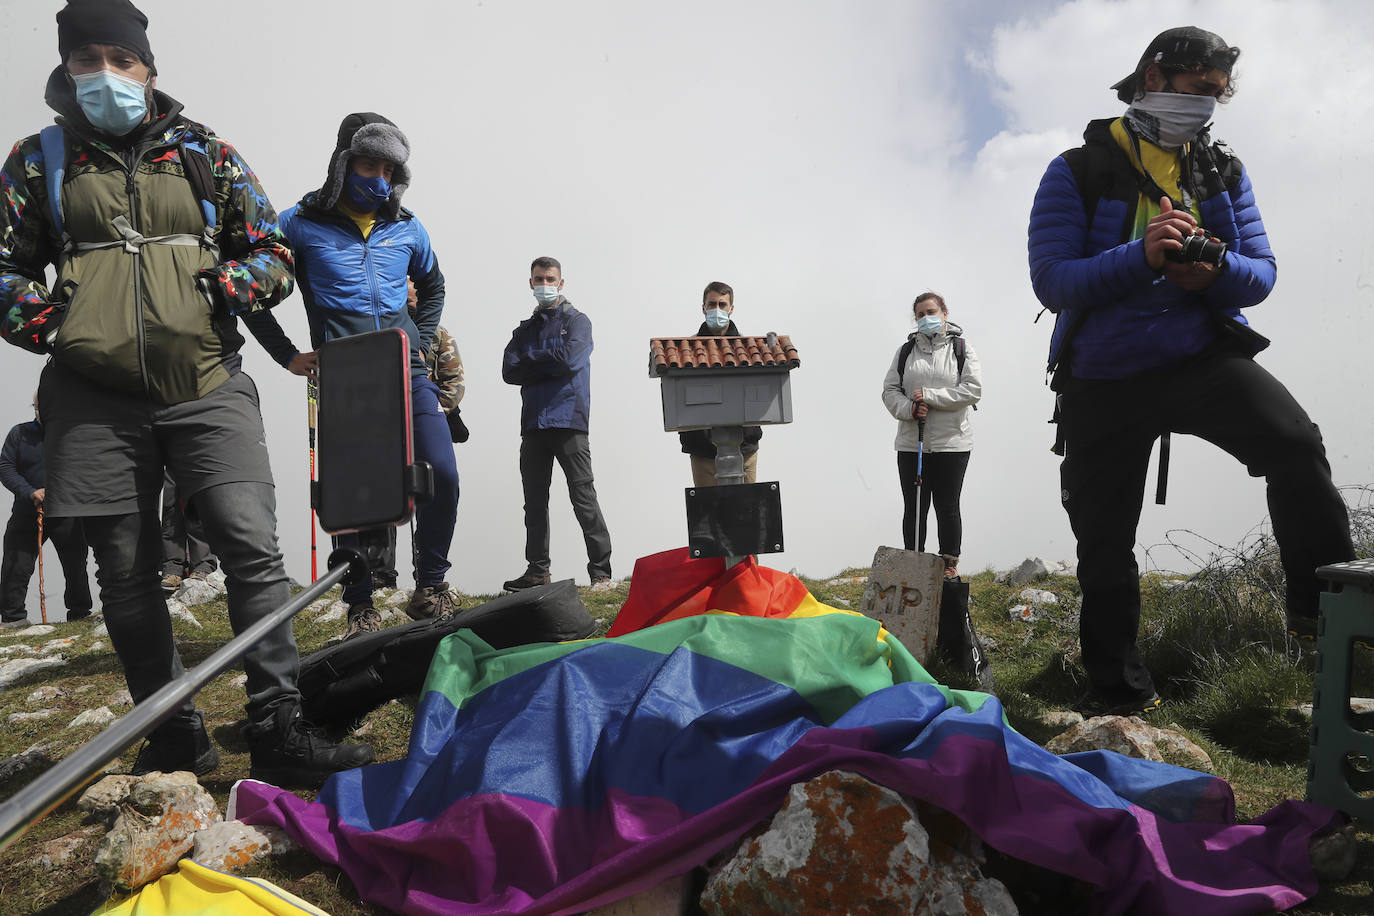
<point x="42" y="598"/>
<point x="920" y="455"/>
<point x="312" y="404"/>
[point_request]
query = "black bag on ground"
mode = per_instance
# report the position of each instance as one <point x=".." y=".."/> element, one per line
<point x="957" y="641"/>
<point x="341" y="683"/>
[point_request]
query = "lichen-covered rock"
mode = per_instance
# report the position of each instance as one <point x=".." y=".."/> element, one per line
<point x="120" y="697"/>
<point x="178" y="611"/>
<point x="101" y="800"/>
<point x="38" y="629"/>
<point x="156" y="825"/>
<point x="197" y="591"/>
<point x="1029" y="570"/>
<point x="48" y="692"/>
<point x="16" y="670"/>
<point x="1038" y="596"/>
<point x="336" y="611"/>
<point x="62" y="850"/>
<point x="841" y="844"/>
<point x="1131" y="736"/>
<point x="100" y="716"/>
<point x="16" y="718"/>
<point x="52" y="645"/>
<point x="233" y="845"/>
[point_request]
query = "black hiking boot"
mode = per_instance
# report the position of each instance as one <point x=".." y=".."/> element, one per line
<point x="1095" y="703"/>
<point x="176" y="746"/>
<point x="528" y="580"/>
<point x="288" y="752"/>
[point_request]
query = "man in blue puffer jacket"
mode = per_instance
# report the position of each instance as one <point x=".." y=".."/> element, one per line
<point x="355" y="247"/>
<point x="1150" y="340"/>
<point x="550" y="357"/>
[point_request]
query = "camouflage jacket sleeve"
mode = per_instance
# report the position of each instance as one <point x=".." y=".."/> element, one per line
<point x="446" y="369"/>
<point x="27" y="246"/>
<point x="255" y="266"/>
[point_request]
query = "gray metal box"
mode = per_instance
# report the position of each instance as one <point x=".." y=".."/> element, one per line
<point x="702" y="398"/>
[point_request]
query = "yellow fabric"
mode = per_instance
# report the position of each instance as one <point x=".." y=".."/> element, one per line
<point x="194" y="890"/>
<point x="364" y="221"/>
<point x="1165" y="166"/>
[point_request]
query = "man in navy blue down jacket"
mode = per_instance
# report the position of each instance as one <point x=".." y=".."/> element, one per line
<point x="1150" y="339"/>
<point x="549" y="357"/>
<point x="21" y="471"/>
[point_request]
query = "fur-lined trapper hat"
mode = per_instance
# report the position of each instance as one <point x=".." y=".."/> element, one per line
<point x="367" y="134"/>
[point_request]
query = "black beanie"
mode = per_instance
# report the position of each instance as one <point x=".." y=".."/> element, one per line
<point x="105" y="22"/>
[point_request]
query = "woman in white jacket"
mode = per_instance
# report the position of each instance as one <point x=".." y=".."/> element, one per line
<point x="937" y="383"/>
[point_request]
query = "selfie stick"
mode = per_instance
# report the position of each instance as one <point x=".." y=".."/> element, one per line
<point x="38" y="798"/>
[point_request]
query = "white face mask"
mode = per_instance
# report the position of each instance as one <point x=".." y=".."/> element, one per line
<point x="1170" y="119"/>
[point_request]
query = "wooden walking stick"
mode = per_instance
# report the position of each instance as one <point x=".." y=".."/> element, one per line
<point x="42" y="598"/>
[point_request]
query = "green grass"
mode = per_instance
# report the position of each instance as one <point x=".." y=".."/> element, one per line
<point x="1215" y="644"/>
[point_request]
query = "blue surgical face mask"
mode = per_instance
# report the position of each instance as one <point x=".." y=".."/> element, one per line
<point x="717" y="319"/>
<point x="112" y="103"/>
<point x="367" y="193"/>
<point x="547" y="295"/>
<point x="930" y="325"/>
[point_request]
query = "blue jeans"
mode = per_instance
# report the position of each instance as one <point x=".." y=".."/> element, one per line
<point x="434" y="519"/>
<point x="240" y="525"/>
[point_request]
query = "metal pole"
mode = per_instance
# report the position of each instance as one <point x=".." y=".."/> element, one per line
<point x="45" y="793"/>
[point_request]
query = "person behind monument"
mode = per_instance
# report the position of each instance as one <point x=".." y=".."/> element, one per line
<point x="21" y="471"/>
<point x="549" y="356"/>
<point x="357" y="249"/>
<point x="718" y="310"/>
<point x="1147" y="243"/>
<point x="168" y="236"/>
<point x="935" y="379"/>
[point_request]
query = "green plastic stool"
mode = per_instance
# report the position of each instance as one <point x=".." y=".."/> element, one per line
<point x="1347" y="614"/>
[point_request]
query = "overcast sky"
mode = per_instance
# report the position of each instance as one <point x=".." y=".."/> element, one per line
<point x="830" y="160"/>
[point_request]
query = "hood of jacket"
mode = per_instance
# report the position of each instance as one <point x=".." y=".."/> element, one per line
<point x="328" y="195"/>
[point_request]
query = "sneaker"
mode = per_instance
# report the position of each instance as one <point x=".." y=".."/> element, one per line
<point x="14" y="624"/>
<point x="602" y="584"/>
<point x="362" y="618"/>
<point x="951" y="566"/>
<point x="1094" y="703"/>
<point x="78" y="614"/>
<point x="528" y="580"/>
<point x="170" y="583"/>
<point x="176" y="746"/>
<point x="288" y="752"/>
<point x="432" y="601"/>
<point x="383" y="580"/>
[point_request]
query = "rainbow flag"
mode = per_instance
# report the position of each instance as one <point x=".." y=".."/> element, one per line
<point x="554" y="778"/>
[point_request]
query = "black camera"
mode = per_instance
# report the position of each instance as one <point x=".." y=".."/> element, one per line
<point x="1197" y="248"/>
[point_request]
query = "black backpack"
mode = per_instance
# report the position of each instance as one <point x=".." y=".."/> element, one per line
<point x="343" y="682"/>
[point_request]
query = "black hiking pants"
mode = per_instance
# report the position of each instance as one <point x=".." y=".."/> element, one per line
<point x="942" y="483"/>
<point x="1109" y="428"/>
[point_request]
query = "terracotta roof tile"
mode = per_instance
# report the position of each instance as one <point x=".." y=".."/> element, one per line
<point x="720" y="352"/>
